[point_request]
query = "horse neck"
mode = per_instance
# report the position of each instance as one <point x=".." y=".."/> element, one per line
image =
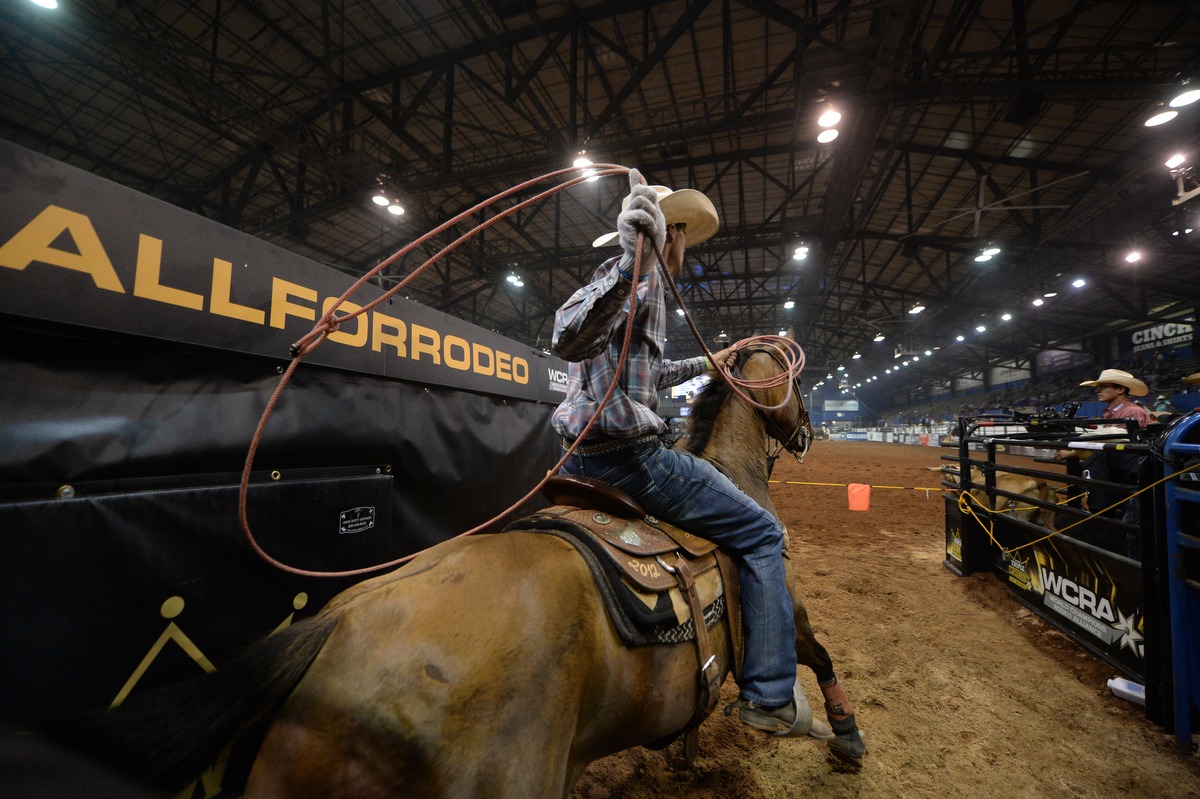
<point x="738" y="447"/>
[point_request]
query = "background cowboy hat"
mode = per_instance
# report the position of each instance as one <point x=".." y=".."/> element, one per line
<point x="687" y="207"/>
<point x="1115" y="376"/>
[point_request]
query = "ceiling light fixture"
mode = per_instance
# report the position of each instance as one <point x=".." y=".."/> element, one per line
<point x="679" y="311"/>
<point x="878" y="337"/>
<point x="789" y="305"/>
<point x="916" y="309"/>
<point x="380" y="199"/>
<point x="801" y="253"/>
<point x="960" y="338"/>
<point x="856" y="355"/>
<point x="1007" y="317"/>
<point x="1175" y="160"/>
<point x="827" y="135"/>
<point x="981" y="328"/>
<point x="1160" y="118"/>
<point x="396" y="209"/>
<point x="1185" y="97"/>
<point x="829" y="118"/>
<point x="1039" y="302"/>
<point x="1133" y="257"/>
<point x="1079" y="283"/>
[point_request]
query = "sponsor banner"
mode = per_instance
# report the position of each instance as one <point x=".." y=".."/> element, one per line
<point x="1057" y="360"/>
<point x="1095" y="597"/>
<point x="841" y="405"/>
<point x="81" y="250"/>
<point x="1007" y="374"/>
<point x="856" y="435"/>
<point x="1176" y="336"/>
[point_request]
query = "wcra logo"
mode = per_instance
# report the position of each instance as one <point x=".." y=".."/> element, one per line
<point x="558" y="380"/>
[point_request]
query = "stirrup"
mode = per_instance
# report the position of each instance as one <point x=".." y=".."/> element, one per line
<point x="802" y="725"/>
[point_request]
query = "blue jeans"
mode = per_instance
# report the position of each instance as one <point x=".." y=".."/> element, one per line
<point x="689" y="492"/>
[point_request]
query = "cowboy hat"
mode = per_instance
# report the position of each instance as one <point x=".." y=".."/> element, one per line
<point x="1115" y="376"/>
<point x="1194" y="377"/>
<point x="684" y="207"/>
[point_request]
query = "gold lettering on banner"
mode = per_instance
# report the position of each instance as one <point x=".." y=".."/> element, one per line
<point x="340" y="336"/>
<point x="222" y="292"/>
<point x="281" y="305"/>
<point x="381" y="324"/>
<point x="454" y="361"/>
<point x="426" y="341"/>
<point x="147" y="278"/>
<point x="478" y="352"/>
<point x="58" y="237"/>
<point x="33" y="243"/>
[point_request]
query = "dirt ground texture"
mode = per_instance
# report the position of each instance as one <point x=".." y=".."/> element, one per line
<point x="959" y="690"/>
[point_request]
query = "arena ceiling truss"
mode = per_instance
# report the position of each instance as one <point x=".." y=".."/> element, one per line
<point x="965" y="124"/>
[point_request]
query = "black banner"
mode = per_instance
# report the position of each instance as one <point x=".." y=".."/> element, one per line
<point x="79" y="249"/>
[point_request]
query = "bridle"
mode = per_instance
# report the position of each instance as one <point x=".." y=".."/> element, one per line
<point x="800" y="438"/>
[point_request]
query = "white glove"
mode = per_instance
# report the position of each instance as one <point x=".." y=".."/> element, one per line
<point x="641" y="216"/>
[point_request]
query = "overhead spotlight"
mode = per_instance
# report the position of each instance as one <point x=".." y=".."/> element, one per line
<point x="856" y="355"/>
<point x="1078" y="282"/>
<point x="396" y="209"/>
<point x="1039" y="302"/>
<point x="887" y="371"/>
<point x="1185" y="97"/>
<point x="50" y="4"/>
<point x="380" y="199"/>
<point x="789" y="305"/>
<point x="1133" y="257"/>
<point x="981" y="328"/>
<point x="827" y="135"/>
<point x="916" y="309"/>
<point x="1159" y="118"/>
<point x="679" y="311"/>
<point x="722" y="336"/>
<point x="829" y="118"/>
<point x="904" y="363"/>
<point x="512" y="278"/>
<point x="1007" y="317"/>
<point x="800" y="254"/>
<point x="581" y="159"/>
<point x="878" y="337"/>
<point x="991" y="250"/>
<point x="959" y="338"/>
<point x="981" y="258"/>
<point x="928" y="352"/>
<point x="1050" y="294"/>
<point x="1175" y="160"/>
<point x="841" y="368"/>
<point x="783" y="332"/>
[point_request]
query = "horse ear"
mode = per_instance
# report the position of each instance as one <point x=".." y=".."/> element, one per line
<point x="790" y="333"/>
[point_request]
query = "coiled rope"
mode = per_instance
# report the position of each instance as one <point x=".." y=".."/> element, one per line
<point x="790" y="354"/>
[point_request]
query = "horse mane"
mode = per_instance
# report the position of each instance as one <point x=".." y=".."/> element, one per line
<point x="705" y="410"/>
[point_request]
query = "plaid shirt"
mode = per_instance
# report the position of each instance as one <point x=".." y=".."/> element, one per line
<point x="589" y="330"/>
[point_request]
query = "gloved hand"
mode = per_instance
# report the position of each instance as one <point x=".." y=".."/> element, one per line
<point x="641" y="216"/>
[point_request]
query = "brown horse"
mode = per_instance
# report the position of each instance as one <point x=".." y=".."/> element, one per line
<point x="488" y="666"/>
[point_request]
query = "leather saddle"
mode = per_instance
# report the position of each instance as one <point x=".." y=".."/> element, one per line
<point x="630" y="551"/>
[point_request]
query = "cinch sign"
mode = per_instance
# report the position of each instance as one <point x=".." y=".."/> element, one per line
<point x="78" y="249"/>
<point x="1169" y="335"/>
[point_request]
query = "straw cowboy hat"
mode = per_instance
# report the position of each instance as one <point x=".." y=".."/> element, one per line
<point x="684" y="207"/>
<point x="1115" y="376"/>
<point x="1194" y="377"/>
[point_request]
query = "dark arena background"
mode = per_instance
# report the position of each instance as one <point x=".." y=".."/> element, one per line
<point x="1006" y="204"/>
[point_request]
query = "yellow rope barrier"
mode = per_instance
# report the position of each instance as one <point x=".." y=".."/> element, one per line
<point x="966" y="504"/>
<point x="844" y="485"/>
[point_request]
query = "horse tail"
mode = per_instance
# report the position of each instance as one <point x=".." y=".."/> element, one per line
<point x="167" y="736"/>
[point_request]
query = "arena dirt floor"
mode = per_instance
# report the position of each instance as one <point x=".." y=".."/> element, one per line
<point x="960" y="692"/>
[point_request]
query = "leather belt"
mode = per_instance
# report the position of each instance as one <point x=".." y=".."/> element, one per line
<point x="607" y="446"/>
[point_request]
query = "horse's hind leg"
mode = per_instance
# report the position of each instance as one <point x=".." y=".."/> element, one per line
<point x="846" y="743"/>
